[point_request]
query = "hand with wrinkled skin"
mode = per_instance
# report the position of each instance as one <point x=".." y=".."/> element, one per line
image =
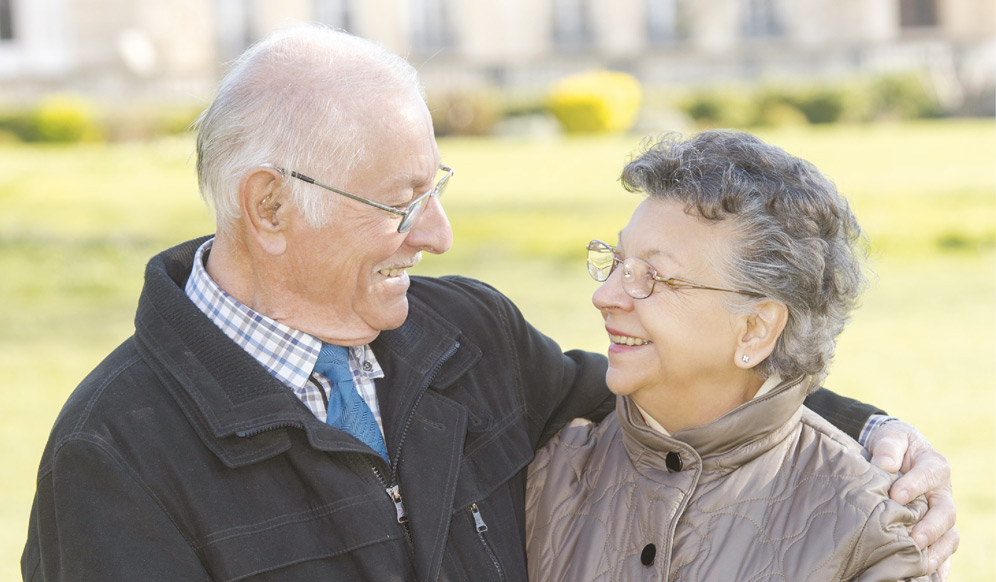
<point x="898" y="446"/>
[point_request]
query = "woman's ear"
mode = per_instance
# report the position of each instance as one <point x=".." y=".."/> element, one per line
<point x="759" y="332"/>
<point x="261" y="195"/>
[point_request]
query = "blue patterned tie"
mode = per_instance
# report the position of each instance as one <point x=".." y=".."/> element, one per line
<point x="348" y="411"/>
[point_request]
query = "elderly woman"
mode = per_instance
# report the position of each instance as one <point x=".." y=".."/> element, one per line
<point x="722" y="300"/>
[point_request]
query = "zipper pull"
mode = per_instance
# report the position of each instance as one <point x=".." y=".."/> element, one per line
<point x="394" y="492"/>
<point x="478" y="520"/>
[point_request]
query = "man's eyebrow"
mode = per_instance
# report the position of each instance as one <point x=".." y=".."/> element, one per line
<point x="416" y="183"/>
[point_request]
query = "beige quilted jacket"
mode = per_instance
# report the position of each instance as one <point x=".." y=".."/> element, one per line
<point x="770" y="491"/>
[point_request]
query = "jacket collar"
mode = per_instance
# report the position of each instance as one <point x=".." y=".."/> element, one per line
<point x="228" y="395"/>
<point x="735" y="438"/>
<point x="425" y="349"/>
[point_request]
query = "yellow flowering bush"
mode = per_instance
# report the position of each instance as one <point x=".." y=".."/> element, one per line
<point x="596" y="102"/>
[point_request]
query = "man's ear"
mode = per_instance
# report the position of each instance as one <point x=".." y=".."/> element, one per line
<point x="262" y="193"/>
<point x="758" y="332"/>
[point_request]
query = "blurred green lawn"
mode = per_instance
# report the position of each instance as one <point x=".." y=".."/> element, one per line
<point x="78" y="224"/>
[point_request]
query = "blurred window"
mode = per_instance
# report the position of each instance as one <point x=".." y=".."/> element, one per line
<point x="6" y="24"/>
<point x="235" y="27"/>
<point x="761" y="19"/>
<point x="667" y="21"/>
<point x="431" y="28"/>
<point x="917" y="13"/>
<point x="335" y="13"/>
<point x="571" y="24"/>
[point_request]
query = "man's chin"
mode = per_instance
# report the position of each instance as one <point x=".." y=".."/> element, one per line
<point x="393" y="315"/>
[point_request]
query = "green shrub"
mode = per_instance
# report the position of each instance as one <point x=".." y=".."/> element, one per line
<point x="466" y="112"/>
<point x="177" y="120"/>
<point x="891" y="97"/>
<point x="64" y="118"/>
<point x="720" y="107"/>
<point x="902" y="96"/>
<point x="67" y="118"/>
<point x="148" y="120"/>
<point x="596" y="102"/>
<point x="778" y="114"/>
<point x="706" y="108"/>
<point x="22" y="124"/>
<point x="821" y="104"/>
<point x="774" y="106"/>
<point x="790" y="104"/>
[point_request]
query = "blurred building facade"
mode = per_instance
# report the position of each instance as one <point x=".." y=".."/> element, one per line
<point x="126" y="49"/>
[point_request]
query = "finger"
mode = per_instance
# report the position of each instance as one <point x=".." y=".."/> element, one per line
<point x="888" y="445"/>
<point x="943" y="570"/>
<point x="930" y="472"/>
<point x="887" y="452"/>
<point x="936" y="523"/>
<point x="939" y="553"/>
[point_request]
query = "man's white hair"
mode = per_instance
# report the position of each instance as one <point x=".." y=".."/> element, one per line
<point x="294" y="100"/>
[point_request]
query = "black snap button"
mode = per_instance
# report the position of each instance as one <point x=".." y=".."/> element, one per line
<point x="673" y="462"/>
<point x="367" y="366"/>
<point x="648" y="554"/>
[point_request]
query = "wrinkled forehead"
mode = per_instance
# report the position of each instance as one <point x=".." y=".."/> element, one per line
<point x="668" y="234"/>
<point x="397" y="142"/>
<point x="384" y="127"/>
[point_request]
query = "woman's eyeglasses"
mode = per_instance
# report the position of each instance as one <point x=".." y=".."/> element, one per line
<point x="639" y="276"/>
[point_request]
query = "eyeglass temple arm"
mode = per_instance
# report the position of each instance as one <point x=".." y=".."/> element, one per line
<point x="311" y="180"/>
<point x="674" y="282"/>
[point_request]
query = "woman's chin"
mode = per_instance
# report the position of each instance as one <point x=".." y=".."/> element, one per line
<point x="618" y="383"/>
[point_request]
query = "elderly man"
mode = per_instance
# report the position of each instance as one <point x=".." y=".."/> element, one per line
<point x="292" y="406"/>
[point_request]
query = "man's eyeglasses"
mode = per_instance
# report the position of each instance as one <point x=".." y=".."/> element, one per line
<point x="639" y="276"/>
<point x="409" y="216"/>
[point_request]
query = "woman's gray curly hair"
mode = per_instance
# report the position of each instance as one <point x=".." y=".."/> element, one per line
<point x="796" y="240"/>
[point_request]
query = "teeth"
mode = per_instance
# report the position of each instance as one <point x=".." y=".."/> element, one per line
<point x="398" y="271"/>
<point x="627" y="341"/>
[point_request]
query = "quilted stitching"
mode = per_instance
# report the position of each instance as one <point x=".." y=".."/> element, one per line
<point x="798" y="503"/>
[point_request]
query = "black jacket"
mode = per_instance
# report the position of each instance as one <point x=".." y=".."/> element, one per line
<point x="180" y="458"/>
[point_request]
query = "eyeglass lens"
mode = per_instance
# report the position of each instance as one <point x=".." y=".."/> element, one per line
<point x="601" y="261"/>
<point x="417" y="205"/>
<point x="638" y="276"/>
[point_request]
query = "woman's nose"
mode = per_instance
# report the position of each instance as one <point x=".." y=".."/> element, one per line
<point x="610" y="294"/>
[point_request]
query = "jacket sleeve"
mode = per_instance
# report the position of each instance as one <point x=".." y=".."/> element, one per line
<point x="557" y="386"/>
<point x="92" y="520"/>
<point x="884" y="550"/>
<point x="582" y="394"/>
<point x="847" y="414"/>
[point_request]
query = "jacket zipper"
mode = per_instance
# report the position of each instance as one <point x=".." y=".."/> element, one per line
<point x="393" y="489"/>
<point x="421" y="393"/>
<point x="482" y="527"/>
<point x="394" y="492"/>
<point x="268" y="428"/>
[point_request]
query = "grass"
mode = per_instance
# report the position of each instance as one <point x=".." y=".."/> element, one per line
<point x="79" y="223"/>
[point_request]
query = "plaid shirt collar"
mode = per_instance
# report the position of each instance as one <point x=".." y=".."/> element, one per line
<point x="288" y="354"/>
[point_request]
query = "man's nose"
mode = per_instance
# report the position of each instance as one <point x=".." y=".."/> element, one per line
<point x="432" y="233"/>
